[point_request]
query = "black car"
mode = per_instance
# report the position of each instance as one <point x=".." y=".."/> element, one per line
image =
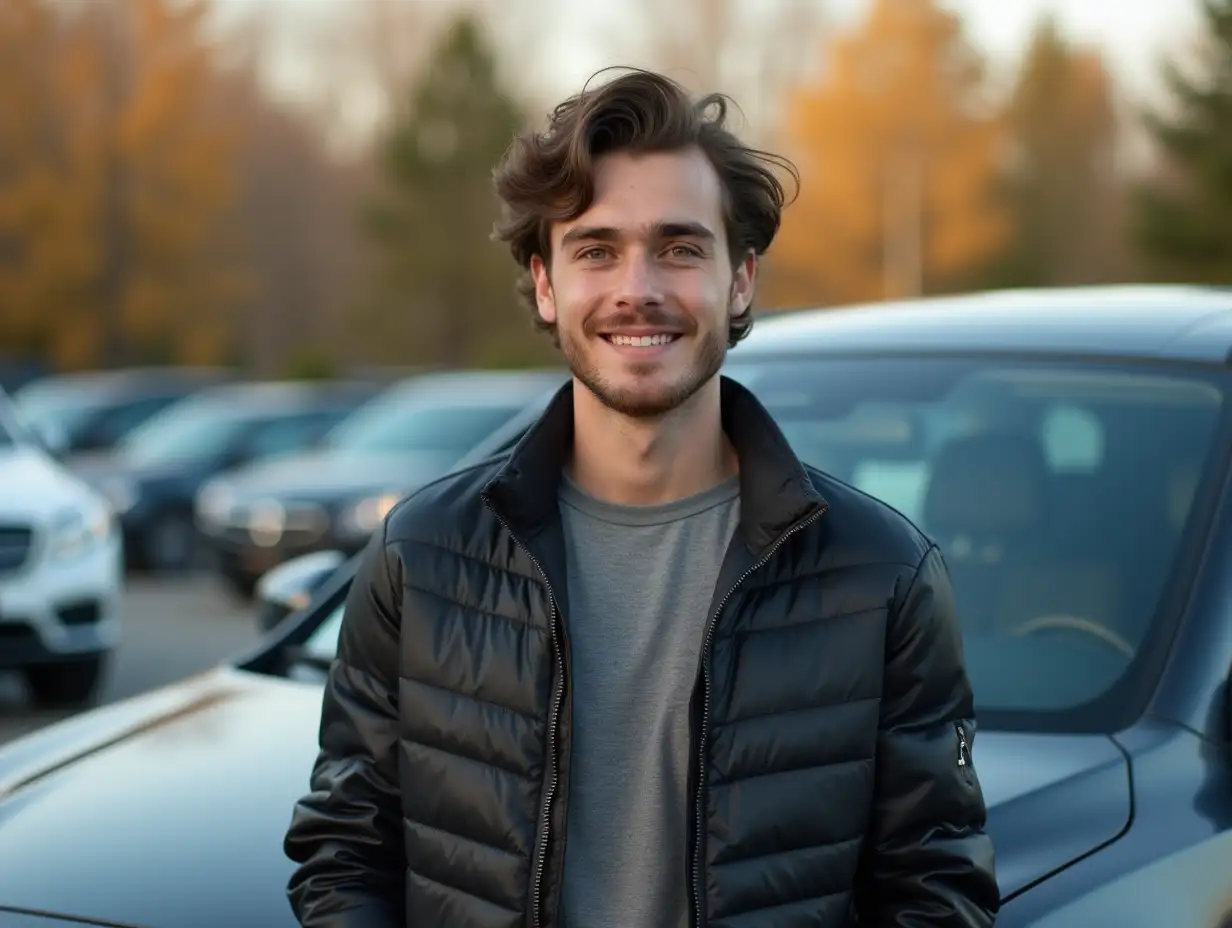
<point x="152" y="476"/>
<point x="1069" y="451"/>
<point x="334" y="495"/>
<point x="92" y="411"/>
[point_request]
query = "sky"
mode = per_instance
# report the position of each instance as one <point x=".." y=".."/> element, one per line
<point x="1133" y="32"/>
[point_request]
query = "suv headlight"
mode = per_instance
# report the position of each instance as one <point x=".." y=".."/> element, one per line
<point x="364" y="517"/>
<point x="78" y="531"/>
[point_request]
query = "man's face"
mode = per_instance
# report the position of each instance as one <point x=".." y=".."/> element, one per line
<point x="641" y="285"/>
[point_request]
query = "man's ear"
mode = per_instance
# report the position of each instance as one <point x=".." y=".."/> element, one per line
<point x="545" y="299"/>
<point x="744" y="277"/>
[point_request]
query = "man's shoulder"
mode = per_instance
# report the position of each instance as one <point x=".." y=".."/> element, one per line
<point x="873" y="530"/>
<point x="450" y="507"/>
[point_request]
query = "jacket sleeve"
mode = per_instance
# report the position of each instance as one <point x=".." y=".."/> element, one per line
<point x="927" y="861"/>
<point x="346" y="833"/>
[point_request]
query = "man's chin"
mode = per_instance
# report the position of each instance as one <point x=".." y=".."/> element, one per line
<point x="642" y="400"/>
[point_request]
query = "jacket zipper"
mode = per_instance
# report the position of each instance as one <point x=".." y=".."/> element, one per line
<point x="545" y="814"/>
<point x="707" y="640"/>
<point x="964" y="751"/>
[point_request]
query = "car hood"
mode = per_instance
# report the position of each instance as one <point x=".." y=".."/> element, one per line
<point x="324" y="476"/>
<point x="165" y="811"/>
<point x="169" y="810"/>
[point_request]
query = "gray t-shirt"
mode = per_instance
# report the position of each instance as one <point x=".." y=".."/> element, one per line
<point x="641" y="580"/>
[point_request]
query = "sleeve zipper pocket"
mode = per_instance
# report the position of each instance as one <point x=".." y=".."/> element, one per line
<point x="964" y="752"/>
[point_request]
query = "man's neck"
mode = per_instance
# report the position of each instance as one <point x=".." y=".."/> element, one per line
<point x="641" y="462"/>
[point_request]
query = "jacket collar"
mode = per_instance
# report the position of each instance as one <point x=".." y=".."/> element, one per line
<point x="775" y="489"/>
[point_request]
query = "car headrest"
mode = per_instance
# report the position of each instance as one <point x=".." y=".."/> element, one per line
<point x="988" y="485"/>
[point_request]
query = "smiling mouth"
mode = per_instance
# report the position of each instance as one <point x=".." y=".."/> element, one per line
<point x="642" y="341"/>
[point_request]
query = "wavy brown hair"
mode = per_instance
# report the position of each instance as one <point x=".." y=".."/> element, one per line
<point x="547" y="176"/>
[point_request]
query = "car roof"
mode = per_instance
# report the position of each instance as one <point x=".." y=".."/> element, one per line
<point x="1184" y="323"/>
<point x="131" y="380"/>
<point x="265" y="396"/>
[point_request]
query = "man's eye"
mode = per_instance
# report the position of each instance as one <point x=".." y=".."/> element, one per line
<point x="684" y="251"/>
<point x="593" y="254"/>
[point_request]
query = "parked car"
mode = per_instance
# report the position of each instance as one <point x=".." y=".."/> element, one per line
<point x="92" y="411"/>
<point x="290" y="586"/>
<point x="333" y="495"/>
<point x="61" y="572"/>
<point x="1069" y="450"/>
<point x="154" y="473"/>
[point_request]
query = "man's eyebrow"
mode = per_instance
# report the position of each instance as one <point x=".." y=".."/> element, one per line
<point x="659" y="230"/>
<point x="590" y="234"/>
<point x="682" y="230"/>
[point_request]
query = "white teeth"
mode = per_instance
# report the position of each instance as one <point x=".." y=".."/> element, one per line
<point x="641" y="341"/>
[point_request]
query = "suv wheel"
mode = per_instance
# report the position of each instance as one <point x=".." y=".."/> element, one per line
<point x="67" y="684"/>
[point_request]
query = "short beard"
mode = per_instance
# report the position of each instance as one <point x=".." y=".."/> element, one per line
<point x="636" y="404"/>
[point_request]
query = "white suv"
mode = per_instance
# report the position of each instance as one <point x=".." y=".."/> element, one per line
<point x="61" y="572"/>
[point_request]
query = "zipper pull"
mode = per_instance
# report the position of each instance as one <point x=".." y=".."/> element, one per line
<point x="962" y="746"/>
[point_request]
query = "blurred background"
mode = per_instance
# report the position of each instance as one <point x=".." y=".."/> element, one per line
<point x="244" y="244"/>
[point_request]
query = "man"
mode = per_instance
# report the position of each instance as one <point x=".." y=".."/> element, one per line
<point x="647" y="670"/>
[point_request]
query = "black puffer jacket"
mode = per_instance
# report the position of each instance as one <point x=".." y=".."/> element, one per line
<point x="832" y="712"/>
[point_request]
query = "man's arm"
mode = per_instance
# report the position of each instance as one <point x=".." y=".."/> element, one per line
<point x="927" y="862"/>
<point x="346" y="834"/>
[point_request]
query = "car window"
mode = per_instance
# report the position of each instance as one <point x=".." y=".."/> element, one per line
<point x="287" y="434"/>
<point x="112" y="424"/>
<point x="1058" y="494"/>
<point x="394" y="424"/>
<point x="197" y="428"/>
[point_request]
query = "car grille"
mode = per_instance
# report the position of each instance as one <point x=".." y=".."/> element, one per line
<point x="16" y="546"/>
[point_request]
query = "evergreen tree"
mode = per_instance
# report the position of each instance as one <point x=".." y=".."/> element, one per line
<point x="444" y="291"/>
<point x="1062" y="187"/>
<point x="1185" y="218"/>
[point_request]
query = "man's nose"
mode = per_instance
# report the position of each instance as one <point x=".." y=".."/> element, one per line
<point x="640" y="281"/>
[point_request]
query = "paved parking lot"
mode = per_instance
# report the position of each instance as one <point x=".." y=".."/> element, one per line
<point x="173" y="628"/>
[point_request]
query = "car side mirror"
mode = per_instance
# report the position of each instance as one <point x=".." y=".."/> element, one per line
<point x="289" y="586"/>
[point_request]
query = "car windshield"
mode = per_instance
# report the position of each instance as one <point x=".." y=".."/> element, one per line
<point x="1059" y="493"/>
<point x="192" y="429"/>
<point x="398" y="423"/>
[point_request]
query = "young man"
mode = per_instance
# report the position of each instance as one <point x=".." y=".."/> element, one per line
<point x="647" y="670"/>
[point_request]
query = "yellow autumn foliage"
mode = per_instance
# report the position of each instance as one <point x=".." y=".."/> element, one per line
<point x="115" y="171"/>
<point x="899" y="153"/>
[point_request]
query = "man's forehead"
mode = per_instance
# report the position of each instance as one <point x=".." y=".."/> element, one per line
<point x="641" y="194"/>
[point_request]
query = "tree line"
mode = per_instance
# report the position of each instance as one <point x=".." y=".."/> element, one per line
<point x="160" y="204"/>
